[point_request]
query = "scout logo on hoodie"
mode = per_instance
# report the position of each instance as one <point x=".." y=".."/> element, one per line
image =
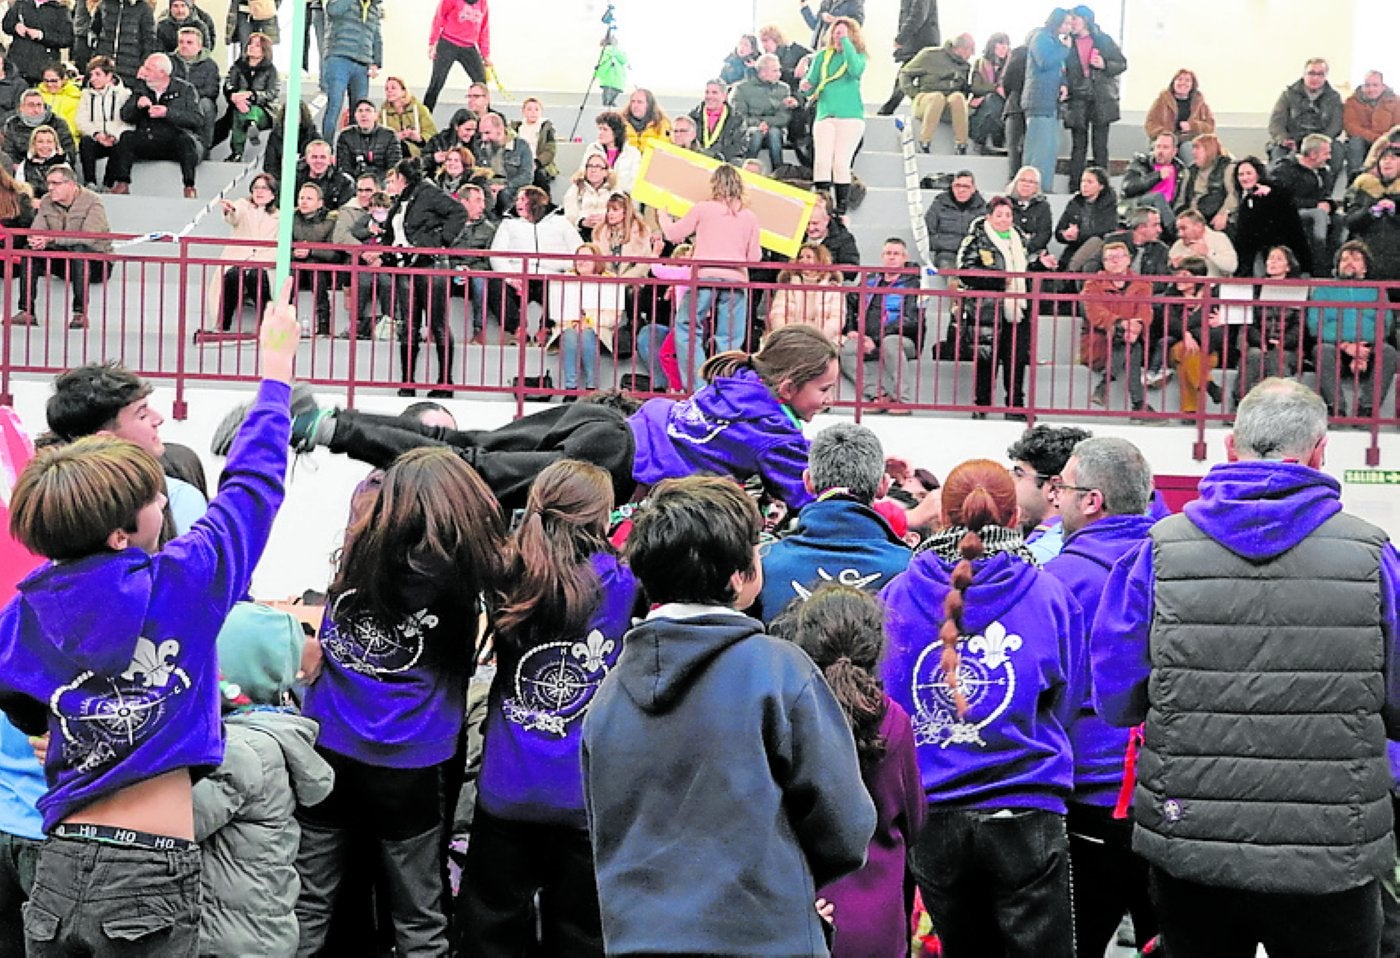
<point x="555" y="682"/>
<point x="986" y="677"/>
<point x="701" y="430"/>
<point x="103" y="718"/>
<point x="360" y="642"/>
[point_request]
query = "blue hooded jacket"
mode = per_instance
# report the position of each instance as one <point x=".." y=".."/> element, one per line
<point x="119" y="647"/>
<point x="735" y="426"/>
<point x="1045" y="70"/>
<point x="1083" y="566"/>
<point x="1021" y="668"/>
<point x="1257" y="510"/>
<point x="837" y="540"/>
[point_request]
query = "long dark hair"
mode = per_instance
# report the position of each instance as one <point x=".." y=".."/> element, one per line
<point x="843" y="630"/>
<point x="433" y="529"/>
<point x="549" y="589"/>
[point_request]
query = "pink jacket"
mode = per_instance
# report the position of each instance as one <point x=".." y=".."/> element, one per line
<point x="720" y="234"/>
<point x="463" y="24"/>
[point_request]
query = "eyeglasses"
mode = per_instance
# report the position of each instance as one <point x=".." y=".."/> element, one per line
<point x="364" y="189"/>
<point x="53" y="79"/>
<point x="1058" y="485"/>
<point x="1021" y="473"/>
<point x="1317" y="73"/>
<point x="596" y="166"/>
<point x="52" y="183"/>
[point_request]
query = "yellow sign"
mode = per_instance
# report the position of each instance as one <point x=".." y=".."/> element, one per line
<point x="675" y="180"/>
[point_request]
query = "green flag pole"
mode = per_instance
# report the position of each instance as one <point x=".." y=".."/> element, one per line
<point x="291" y="136"/>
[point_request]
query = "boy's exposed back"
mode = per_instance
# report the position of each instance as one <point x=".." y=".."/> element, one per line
<point x="721" y="776"/>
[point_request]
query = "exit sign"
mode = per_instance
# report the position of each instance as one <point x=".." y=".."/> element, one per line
<point x="1372" y="477"/>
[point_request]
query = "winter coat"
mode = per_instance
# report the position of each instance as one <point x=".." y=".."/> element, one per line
<point x="1035" y="221"/>
<point x="168" y="30"/>
<point x="1106" y="304"/>
<point x="432" y="219"/>
<point x="319" y="227"/>
<point x="12" y="85"/>
<point x="377" y="151"/>
<point x="249" y="222"/>
<point x="1142" y="175"/>
<point x="855" y="9"/>
<point x="246" y="826"/>
<point x="729" y="143"/>
<point x="1093" y="98"/>
<point x="761" y="102"/>
<point x="982" y="315"/>
<point x="1045" y="72"/>
<point x="475" y="235"/>
<point x="266" y="27"/>
<point x="936" y="70"/>
<point x="736" y="69"/>
<point x="1370" y="121"/>
<point x="337" y="186"/>
<point x="353" y="31"/>
<point x="611" y="70"/>
<point x="64" y="103"/>
<point x="1295" y="114"/>
<point x="1013" y="82"/>
<point x="181" y="103"/>
<point x="632" y="245"/>
<point x="819" y="302"/>
<point x="261" y="80"/>
<point x="124" y="30"/>
<point x="552" y="234"/>
<point x="35" y="171"/>
<point x="1212" y="192"/>
<point x="917" y="29"/>
<point x="413" y="116"/>
<point x="16" y="134"/>
<point x="1265" y="221"/>
<point x="1307" y="187"/>
<point x="947" y="220"/>
<point x="85" y="215"/>
<point x="1161" y="117"/>
<point x="657" y="129"/>
<point x="1378" y="228"/>
<point x="202" y="73"/>
<point x="546" y="145"/>
<point x="1094" y="218"/>
<point x="892" y="313"/>
<point x="1348" y="314"/>
<point x="625" y="165"/>
<point x="53" y="20"/>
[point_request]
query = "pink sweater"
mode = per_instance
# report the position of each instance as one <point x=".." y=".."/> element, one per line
<point x="462" y="24"/>
<point x="720" y="234"/>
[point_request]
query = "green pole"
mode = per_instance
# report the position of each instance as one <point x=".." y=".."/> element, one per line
<point x="291" y="135"/>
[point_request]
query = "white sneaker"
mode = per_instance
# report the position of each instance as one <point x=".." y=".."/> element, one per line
<point x="1156" y="377"/>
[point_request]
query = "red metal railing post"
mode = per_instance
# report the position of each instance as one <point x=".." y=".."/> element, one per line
<point x="180" y="408"/>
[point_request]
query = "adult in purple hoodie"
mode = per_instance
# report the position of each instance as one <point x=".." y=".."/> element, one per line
<point x="986" y="655"/>
<point x="1102" y="494"/>
<point x="1256" y="634"/>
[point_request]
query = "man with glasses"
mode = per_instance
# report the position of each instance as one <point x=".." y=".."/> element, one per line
<point x="1037" y="458"/>
<point x="949" y="216"/>
<point x="1102" y="494"/>
<point x="1307" y="105"/>
<point x="66" y="208"/>
<point x="33" y="113"/>
<point x="479" y="102"/>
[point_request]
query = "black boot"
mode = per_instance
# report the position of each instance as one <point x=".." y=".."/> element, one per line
<point x="843" y="192"/>
<point x="823" y="189"/>
<point x="892" y="104"/>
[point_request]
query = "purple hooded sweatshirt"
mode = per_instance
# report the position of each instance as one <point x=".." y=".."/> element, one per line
<point x="733" y="427"/>
<point x="1257" y="510"/>
<point x="1083" y="566"/>
<point x="118" y="647"/>
<point x="1021" y="668"/>
<point x="531" y="768"/>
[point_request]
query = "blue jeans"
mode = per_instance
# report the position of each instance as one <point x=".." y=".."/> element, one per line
<point x="340" y="75"/>
<point x="476" y="303"/>
<point x="1043" y="148"/>
<point x="648" y="352"/>
<point x="579" y="347"/>
<point x="774" y="140"/>
<point x="731" y="317"/>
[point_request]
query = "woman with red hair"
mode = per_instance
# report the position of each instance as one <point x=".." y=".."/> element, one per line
<point x="986" y="654"/>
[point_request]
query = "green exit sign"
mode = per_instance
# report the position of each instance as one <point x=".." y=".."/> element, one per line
<point x="1372" y="477"/>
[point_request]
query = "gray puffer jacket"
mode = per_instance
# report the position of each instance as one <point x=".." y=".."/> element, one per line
<point x="244" y="820"/>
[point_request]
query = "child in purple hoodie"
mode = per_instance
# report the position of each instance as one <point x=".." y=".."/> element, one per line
<point x="566" y="603"/>
<point x="987" y="657"/>
<point x="110" y="648"/>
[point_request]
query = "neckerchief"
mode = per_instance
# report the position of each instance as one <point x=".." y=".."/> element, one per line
<point x="995" y="540"/>
<point x="825" y="78"/>
<point x="708" y="136"/>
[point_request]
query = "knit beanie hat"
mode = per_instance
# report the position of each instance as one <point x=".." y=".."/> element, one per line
<point x="260" y="651"/>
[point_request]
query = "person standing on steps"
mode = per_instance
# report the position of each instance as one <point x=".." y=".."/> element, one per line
<point x="918" y="28"/>
<point x="461" y="33"/>
<point x="832" y="86"/>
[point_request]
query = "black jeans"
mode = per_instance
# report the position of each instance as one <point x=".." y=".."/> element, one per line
<point x="89" y="152"/>
<point x="1207" y="921"/>
<point x="447" y="55"/>
<point x="1079" y="140"/>
<point x="508" y="863"/>
<point x="109" y="901"/>
<point x="243" y="284"/>
<point x="18" y="859"/>
<point x="996" y="882"/>
<point x="79" y="272"/>
<point x="1108" y="879"/>
<point x="1011" y="353"/>
<point x="154" y="143"/>
<point x="415" y="296"/>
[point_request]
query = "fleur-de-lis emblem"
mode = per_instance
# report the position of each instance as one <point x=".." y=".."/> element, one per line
<point x="994" y="644"/>
<point x="592" y="650"/>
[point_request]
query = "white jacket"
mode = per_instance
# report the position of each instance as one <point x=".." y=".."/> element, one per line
<point x="552" y="234"/>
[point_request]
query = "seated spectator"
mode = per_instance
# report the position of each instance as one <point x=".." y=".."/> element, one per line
<point x="124" y="30"/>
<point x="1198" y="239"/>
<point x="1307" y="176"/>
<point x="461" y="131"/>
<point x="719" y="128"/>
<point x="1307" y="106"/>
<point x="1150" y="256"/>
<point x="62" y="95"/>
<point x="11" y="86"/>
<point x="891" y="334"/>
<point x="535" y="227"/>
<point x="16" y="213"/>
<point x="622" y="158"/>
<point x="939" y="77"/>
<point x="810" y="296"/>
<point x="1210" y="182"/>
<point x="507" y="156"/>
<point x="457" y="169"/>
<point x="1033" y="217"/>
<point x="586" y="315"/>
<point x="789" y="54"/>
<point x="766" y="104"/>
<point x="626" y="241"/>
<point x="646" y="121"/>
<point x="986" y="128"/>
<point x="1276" y="342"/>
<point x="67" y="209"/>
<point x="1371" y="215"/>
<point x="100" y="122"/>
<point x="1367" y="115"/>
<point x="349" y="213"/>
<point x="742" y="62"/>
<point x="1089" y="216"/>
<point x="337" y="187"/>
<point x="1157" y="179"/>
<point x="251" y="90"/>
<point x="165" y="119"/>
<point x="253" y="217"/>
<point x="1350" y="336"/>
<point x="306" y="132"/>
<point x="193" y="64"/>
<point x="410" y="120"/>
<point x="683" y="133"/>
<point x="182" y="14"/>
<point x="477" y="233"/>
<point x="33" y="113"/>
<point x="586" y="201"/>
<point x="313" y="224"/>
<point x="830" y="232"/>
<point x="43" y="156"/>
<point x="479" y="101"/>
<point x="1197" y="338"/>
<point x="949" y="216"/>
<point x="41" y="31"/>
<point x="366" y="146"/>
<point x="1265" y="218"/>
<point x="1180" y="111"/>
<point x="373" y="288"/>
<point x="1118" y="317"/>
<point x="538" y="134"/>
<point x="992" y="331"/>
<point x="1391" y="138"/>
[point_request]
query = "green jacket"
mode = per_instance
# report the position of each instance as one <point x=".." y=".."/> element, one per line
<point x="936" y="70"/>
<point x="839" y="95"/>
<point x="612" y="68"/>
<point x="762" y="102"/>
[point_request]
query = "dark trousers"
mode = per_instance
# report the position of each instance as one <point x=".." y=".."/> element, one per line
<point x="243" y="284"/>
<point x="1079" y="140"/>
<point x="89" y="152"/>
<point x="319" y="282"/>
<point x="1015" y="146"/>
<point x="18" y="859"/>
<point x="1208" y="921"/>
<point x="414" y="297"/>
<point x="996" y="883"/>
<point x="447" y="55"/>
<point x="1011" y="353"/>
<point x="154" y="143"/>
<point x="79" y="272"/>
<point x="508" y="864"/>
<point x="1108" y="879"/>
<point x="514" y="314"/>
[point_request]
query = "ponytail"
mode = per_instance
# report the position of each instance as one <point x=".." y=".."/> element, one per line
<point x="797" y="354"/>
<point x="970" y="547"/>
<point x="863" y="700"/>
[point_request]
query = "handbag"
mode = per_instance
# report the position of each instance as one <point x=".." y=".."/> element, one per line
<point x="976" y="339"/>
<point x="262" y="10"/>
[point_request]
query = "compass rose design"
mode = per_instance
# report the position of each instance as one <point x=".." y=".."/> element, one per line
<point x="555" y="682"/>
<point x="986" y="676"/>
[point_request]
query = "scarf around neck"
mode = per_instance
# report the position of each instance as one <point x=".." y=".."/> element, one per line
<point x="995" y="540"/>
